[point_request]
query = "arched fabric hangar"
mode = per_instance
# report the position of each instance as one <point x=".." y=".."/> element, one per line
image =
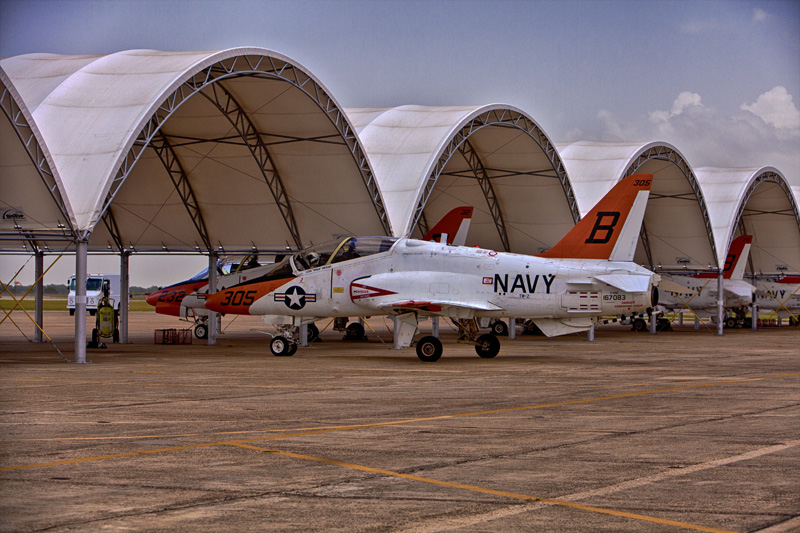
<point x="233" y="150"/>
<point x="429" y="160"/>
<point x="757" y="202"/>
<point x="182" y="151"/>
<point x="677" y="229"/>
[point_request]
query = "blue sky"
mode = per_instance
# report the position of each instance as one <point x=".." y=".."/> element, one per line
<point x="718" y="79"/>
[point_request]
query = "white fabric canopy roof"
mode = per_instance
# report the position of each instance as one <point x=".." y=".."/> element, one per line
<point x="757" y="202"/>
<point x="677" y="228"/>
<point x="181" y="151"/>
<point x="429" y="160"/>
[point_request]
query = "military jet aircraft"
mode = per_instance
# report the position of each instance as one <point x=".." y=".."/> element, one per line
<point x="589" y="273"/>
<point x="699" y="293"/>
<point x="186" y="299"/>
<point x="781" y="295"/>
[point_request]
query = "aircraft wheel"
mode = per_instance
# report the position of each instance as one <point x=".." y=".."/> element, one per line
<point x="201" y="331"/>
<point x="292" y="350"/>
<point x="499" y="328"/>
<point x="730" y="322"/>
<point x="429" y="349"/>
<point x="487" y="346"/>
<point x="313" y="332"/>
<point x="279" y="347"/>
<point x="639" y="324"/>
<point x="354" y="331"/>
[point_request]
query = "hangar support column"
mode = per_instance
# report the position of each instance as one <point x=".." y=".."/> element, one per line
<point x="39" y="295"/>
<point x="81" y="258"/>
<point x="212" y="288"/>
<point x="124" y="296"/>
<point x="720" y="303"/>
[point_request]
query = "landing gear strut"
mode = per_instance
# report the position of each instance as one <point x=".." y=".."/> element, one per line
<point x="486" y="346"/>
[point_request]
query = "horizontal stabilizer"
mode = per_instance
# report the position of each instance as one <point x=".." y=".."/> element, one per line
<point x="553" y="327"/>
<point x="741" y="289"/>
<point x="626" y="282"/>
<point x="671" y="286"/>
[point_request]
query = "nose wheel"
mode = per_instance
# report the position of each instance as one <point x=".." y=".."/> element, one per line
<point x="280" y="346"/>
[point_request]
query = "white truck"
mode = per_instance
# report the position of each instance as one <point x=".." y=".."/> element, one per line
<point x="94" y="291"/>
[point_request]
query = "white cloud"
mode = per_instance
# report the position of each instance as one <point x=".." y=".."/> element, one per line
<point x="776" y="107"/>
<point x="684" y="101"/>
<point x="763" y="134"/>
<point x="759" y="15"/>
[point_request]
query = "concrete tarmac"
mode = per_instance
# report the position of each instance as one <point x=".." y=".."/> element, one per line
<point x="680" y="431"/>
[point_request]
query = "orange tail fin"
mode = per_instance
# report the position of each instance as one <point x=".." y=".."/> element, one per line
<point x="611" y="229"/>
<point x="454" y="224"/>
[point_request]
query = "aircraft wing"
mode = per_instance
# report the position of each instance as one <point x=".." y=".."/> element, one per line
<point x="626" y="282"/>
<point x="451" y="308"/>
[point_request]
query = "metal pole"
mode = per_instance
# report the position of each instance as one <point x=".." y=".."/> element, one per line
<point x="212" y="289"/>
<point x="124" y="296"/>
<point x="696" y="322"/>
<point x="303" y="335"/>
<point x="435" y="326"/>
<point x="396" y="335"/>
<point x="591" y="333"/>
<point x="39" y="295"/>
<point x="720" y="303"/>
<point x="81" y="258"/>
<point x="754" y="316"/>
<point x="680" y="319"/>
<point x="654" y="322"/>
<point x="512" y="328"/>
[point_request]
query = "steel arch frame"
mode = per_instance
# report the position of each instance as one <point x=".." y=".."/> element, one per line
<point x="499" y="118"/>
<point x="174" y="167"/>
<point x="249" y="134"/>
<point x="14" y="113"/>
<point x="253" y="66"/>
<point x="764" y="177"/>
<point x="485" y="183"/>
<point x="666" y="153"/>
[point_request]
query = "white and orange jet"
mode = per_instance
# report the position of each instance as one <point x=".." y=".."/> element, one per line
<point x="699" y="292"/>
<point x="588" y="274"/>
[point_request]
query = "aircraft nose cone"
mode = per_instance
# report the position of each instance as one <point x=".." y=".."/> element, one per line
<point x="214" y="301"/>
<point x="152" y="298"/>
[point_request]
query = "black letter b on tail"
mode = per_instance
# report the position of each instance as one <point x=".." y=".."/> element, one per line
<point x="607" y="228"/>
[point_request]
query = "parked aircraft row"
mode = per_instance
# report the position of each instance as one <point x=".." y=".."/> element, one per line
<point x="589" y="274"/>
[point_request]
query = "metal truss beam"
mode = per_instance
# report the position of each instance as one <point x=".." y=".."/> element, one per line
<point x="665" y="153"/>
<point x="113" y="229"/>
<point x="479" y="173"/>
<point x="172" y="164"/>
<point x="27" y="137"/>
<point x="499" y="118"/>
<point x="224" y="101"/>
<point x="257" y="66"/>
<point x="766" y="177"/>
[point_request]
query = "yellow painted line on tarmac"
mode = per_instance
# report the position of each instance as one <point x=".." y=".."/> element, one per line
<point x="320" y="431"/>
<point x="473" y="488"/>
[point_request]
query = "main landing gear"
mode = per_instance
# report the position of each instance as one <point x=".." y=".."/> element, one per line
<point x="487" y="346"/>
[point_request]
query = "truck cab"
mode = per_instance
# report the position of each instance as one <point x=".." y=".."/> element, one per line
<point x="95" y="283"/>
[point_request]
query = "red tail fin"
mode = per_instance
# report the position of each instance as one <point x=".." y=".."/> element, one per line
<point x="735" y="262"/>
<point x="454" y="224"/>
<point x="611" y="229"/>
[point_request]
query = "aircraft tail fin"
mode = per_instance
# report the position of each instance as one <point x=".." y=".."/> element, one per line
<point x="611" y="229"/>
<point x="736" y="261"/>
<point x="454" y="224"/>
